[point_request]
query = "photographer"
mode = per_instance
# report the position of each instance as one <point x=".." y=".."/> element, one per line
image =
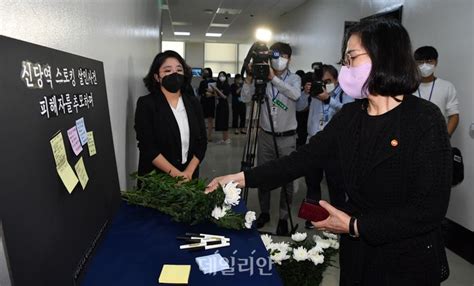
<point x="322" y="107"/>
<point x="282" y="91"/>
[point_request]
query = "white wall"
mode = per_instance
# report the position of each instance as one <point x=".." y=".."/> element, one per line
<point x="315" y="29"/>
<point x="125" y="35"/>
<point x="195" y="54"/>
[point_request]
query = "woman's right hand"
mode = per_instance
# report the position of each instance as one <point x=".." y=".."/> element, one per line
<point x="238" y="178"/>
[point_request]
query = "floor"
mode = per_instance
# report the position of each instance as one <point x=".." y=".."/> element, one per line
<point x="226" y="159"/>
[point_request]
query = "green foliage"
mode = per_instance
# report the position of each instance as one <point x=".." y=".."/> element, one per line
<point x="185" y="202"/>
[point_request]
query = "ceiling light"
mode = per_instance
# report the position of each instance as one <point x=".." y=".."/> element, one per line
<point x="208" y="11"/>
<point x="180" y="23"/>
<point x="218" y="25"/>
<point x="182" y="33"/>
<point x="215" y="35"/>
<point x="228" y="11"/>
<point x="263" y="34"/>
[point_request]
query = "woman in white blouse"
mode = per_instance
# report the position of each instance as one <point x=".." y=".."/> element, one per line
<point x="169" y="123"/>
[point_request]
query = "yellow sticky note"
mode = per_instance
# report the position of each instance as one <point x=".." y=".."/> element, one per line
<point x="175" y="274"/>
<point x="81" y="173"/>
<point x="59" y="152"/>
<point x="68" y="177"/>
<point x="91" y="143"/>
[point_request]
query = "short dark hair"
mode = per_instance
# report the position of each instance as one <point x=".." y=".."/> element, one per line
<point x="237" y="76"/>
<point x="300" y="73"/>
<point x="426" y="53"/>
<point x="388" y="45"/>
<point x="308" y="77"/>
<point x="150" y="82"/>
<point x="331" y="70"/>
<point x="281" y="47"/>
<point x="209" y="71"/>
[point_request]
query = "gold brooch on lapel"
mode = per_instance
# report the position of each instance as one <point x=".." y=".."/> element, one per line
<point x="394" y="142"/>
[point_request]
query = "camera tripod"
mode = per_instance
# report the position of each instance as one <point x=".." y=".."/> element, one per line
<point x="248" y="157"/>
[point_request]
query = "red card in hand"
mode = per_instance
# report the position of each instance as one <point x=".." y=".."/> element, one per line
<point x="312" y="212"/>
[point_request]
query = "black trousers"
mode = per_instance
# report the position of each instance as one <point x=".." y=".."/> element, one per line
<point x="238" y="113"/>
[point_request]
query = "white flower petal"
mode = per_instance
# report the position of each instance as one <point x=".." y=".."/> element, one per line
<point x="300" y="254"/>
<point x="218" y="212"/>
<point x="299" y="236"/>
<point x="267" y="240"/>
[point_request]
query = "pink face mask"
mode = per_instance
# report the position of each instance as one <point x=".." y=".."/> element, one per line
<point x="352" y="80"/>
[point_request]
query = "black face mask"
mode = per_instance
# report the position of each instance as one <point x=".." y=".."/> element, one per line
<point x="173" y="82"/>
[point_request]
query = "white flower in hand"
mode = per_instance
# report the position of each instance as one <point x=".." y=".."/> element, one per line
<point x="267" y="240"/>
<point x="218" y="212"/>
<point x="300" y="254"/>
<point x="232" y="194"/>
<point x="299" y="236"/>
<point x="249" y="218"/>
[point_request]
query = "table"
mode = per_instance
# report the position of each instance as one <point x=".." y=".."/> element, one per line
<point x="140" y="240"/>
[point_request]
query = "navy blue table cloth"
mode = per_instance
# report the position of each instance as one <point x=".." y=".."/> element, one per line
<point x="140" y="241"/>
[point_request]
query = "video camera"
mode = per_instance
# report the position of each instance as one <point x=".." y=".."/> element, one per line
<point x="317" y="84"/>
<point x="259" y="54"/>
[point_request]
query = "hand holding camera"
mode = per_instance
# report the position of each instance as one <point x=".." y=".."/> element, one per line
<point x="323" y="96"/>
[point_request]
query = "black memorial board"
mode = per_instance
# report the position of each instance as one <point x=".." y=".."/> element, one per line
<point x="48" y="232"/>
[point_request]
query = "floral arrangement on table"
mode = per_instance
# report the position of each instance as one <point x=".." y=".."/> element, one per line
<point x="186" y="202"/>
<point x="302" y="261"/>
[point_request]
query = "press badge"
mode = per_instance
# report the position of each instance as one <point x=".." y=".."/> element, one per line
<point x="280" y="104"/>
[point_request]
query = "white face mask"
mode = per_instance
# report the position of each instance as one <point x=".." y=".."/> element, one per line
<point x="330" y="87"/>
<point x="222" y="78"/>
<point x="279" y="64"/>
<point x="426" y="69"/>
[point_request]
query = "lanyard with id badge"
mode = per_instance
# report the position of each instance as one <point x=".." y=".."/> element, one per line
<point x="276" y="102"/>
<point x="325" y="116"/>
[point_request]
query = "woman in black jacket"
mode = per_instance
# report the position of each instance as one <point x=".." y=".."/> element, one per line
<point x="222" y="92"/>
<point x="393" y="152"/>
<point x="169" y="123"/>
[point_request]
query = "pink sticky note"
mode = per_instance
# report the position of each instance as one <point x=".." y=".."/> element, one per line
<point x="74" y="139"/>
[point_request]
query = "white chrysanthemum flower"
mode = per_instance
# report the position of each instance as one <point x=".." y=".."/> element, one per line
<point x="232" y="194"/>
<point x="249" y="218"/>
<point x="218" y="212"/>
<point x="315" y="250"/>
<point x="299" y="236"/>
<point x="267" y="240"/>
<point x="323" y="243"/>
<point x="300" y="254"/>
<point x="334" y="243"/>
<point x="280" y="246"/>
<point x="330" y="235"/>
<point x="316" y="258"/>
<point x="279" y="256"/>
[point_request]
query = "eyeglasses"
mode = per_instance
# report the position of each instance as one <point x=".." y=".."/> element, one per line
<point x="348" y="59"/>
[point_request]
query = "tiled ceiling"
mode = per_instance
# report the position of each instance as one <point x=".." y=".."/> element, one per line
<point x="235" y="19"/>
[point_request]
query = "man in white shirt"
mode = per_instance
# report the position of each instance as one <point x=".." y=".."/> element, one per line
<point x="282" y="91"/>
<point x="437" y="90"/>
